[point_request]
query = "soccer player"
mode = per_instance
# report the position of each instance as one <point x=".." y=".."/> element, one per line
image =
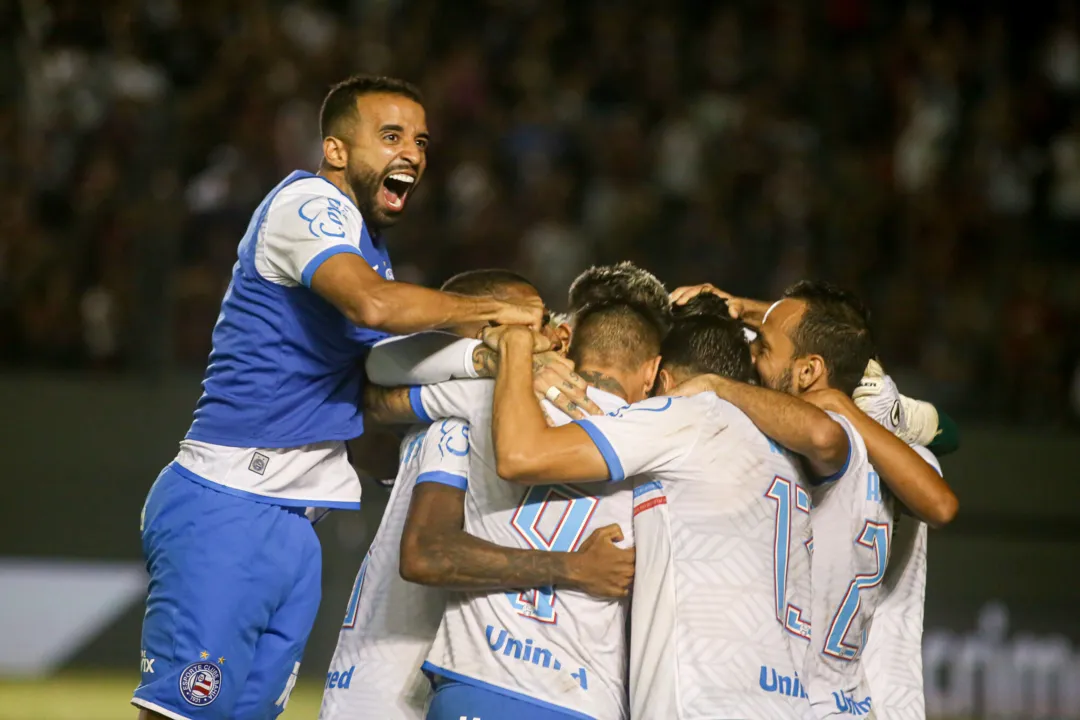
<point x="816" y="343"/>
<point x="548" y="651"/>
<point x="721" y="589"/>
<point x="389" y="623"/>
<point x="893" y="654"/>
<point x="234" y="564"/>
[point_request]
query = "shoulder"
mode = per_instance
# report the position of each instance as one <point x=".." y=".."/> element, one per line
<point x="316" y="208"/>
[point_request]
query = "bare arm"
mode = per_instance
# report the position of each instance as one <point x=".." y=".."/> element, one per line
<point x="914" y="481"/>
<point x="795" y="424"/>
<point x="436" y="550"/>
<point x="347" y="282"/>
<point x="527" y="451"/>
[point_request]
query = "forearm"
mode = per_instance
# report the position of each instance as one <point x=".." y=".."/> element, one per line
<point x="795" y="424"/>
<point x="424" y="358"/>
<point x="460" y="561"/>
<point x="401" y="308"/>
<point x="753" y="312"/>
<point x="518" y="422"/>
<point x="389" y="405"/>
<point x="910" y="478"/>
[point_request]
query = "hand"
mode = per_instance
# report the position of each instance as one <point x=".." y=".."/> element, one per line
<point x="878" y="397"/>
<point x="601" y="568"/>
<point x="528" y="312"/>
<point x="698" y="384"/>
<point x="551" y="370"/>
<point x="683" y="294"/>
<point x="494" y="336"/>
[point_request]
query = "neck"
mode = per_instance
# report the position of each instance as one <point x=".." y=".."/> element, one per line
<point x="337" y="177"/>
<point x="605" y="379"/>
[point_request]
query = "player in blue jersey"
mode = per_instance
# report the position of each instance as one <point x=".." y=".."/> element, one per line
<point x="234" y="564"/>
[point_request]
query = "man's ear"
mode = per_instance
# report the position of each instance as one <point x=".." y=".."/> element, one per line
<point x="335" y="153"/>
<point x="649" y="371"/>
<point x="809" y="370"/>
<point x="664" y="382"/>
<point x="563" y="334"/>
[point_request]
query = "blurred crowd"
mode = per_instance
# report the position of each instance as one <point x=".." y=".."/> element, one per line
<point x="926" y="155"/>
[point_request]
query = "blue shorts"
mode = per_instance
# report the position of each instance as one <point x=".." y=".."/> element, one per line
<point x="234" y="588"/>
<point x="455" y="700"/>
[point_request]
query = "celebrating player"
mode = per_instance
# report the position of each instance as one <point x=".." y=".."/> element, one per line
<point x="234" y="564"/>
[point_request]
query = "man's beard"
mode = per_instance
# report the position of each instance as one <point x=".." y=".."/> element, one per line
<point x="366" y="183"/>
<point x="784" y="383"/>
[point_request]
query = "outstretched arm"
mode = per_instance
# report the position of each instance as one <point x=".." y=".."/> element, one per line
<point x="795" y="424"/>
<point x="914" y="481"/>
<point x="436" y="550"/>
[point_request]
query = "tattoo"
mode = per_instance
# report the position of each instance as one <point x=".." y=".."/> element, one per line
<point x="485" y="362"/>
<point x="462" y="561"/>
<point x="388" y="405"/>
<point x="602" y="381"/>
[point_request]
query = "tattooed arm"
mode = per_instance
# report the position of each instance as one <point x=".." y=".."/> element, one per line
<point x="436" y="550"/>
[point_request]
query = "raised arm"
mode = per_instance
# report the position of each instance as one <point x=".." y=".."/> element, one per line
<point x="527" y="451"/>
<point x="347" y="282"/>
<point x="436" y="550"/>
<point x="795" y="424"/>
<point x="914" y="481"/>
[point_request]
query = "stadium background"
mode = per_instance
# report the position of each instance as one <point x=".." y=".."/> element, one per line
<point x="924" y="154"/>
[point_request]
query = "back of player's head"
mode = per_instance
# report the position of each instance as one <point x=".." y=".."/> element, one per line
<point x="620" y="315"/>
<point x="490" y="281"/>
<point x="339" y="105"/>
<point x="836" y="326"/>
<point x="706" y="339"/>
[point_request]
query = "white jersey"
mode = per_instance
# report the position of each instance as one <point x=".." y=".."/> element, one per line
<point x="552" y="647"/>
<point x="851" y="517"/>
<point x="722" y="581"/>
<point x="390" y="623"/>
<point x="893" y="656"/>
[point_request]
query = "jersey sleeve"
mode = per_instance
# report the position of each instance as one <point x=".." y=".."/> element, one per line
<point x="468" y="399"/>
<point x="650" y="436"/>
<point x="856" y="451"/>
<point x="304" y="228"/>
<point x="444" y="454"/>
<point x="421" y="359"/>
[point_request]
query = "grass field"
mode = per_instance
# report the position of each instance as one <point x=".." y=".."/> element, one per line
<point x="105" y="697"/>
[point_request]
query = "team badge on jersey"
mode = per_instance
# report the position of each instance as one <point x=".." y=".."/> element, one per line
<point x="200" y="683"/>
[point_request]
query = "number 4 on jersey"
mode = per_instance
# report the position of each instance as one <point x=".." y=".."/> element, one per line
<point x="539" y="604"/>
<point x="786" y="494"/>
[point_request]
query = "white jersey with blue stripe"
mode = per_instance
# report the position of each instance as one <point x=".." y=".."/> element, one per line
<point x="280" y="394"/>
<point x="722" y="583"/>
<point x="555" y="648"/>
<point x="390" y="623"/>
<point x="851" y="517"/>
<point x="893" y="655"/>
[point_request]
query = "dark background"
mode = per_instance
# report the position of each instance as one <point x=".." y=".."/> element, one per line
<point x="926" y="155"/>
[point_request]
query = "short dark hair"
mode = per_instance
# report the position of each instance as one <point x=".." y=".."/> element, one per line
<point x="339" y="105"/>
<point x="484" y="282"/>
<point x="620" y="315"/>
<point x="836" y="326"/>
<point x="706" y="339"/>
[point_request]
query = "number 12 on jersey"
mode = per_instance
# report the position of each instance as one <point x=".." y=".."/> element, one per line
<point x="786" y="495"/>
<point x="568" y="530"/>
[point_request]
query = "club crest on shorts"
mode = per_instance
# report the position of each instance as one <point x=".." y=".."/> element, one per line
<point x="200" y="683"/>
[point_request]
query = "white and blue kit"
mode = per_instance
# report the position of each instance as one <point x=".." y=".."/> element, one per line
<point x="390" y="623"/>
<point x="538" y="653"/>
<point x="235" y="567"/>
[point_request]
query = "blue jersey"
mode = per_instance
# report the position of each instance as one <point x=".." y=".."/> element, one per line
<point x="282" y="388"/>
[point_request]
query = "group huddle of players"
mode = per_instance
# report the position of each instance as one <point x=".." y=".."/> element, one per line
<point x="684" y="505"/>
<point x="727" y="453"/>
